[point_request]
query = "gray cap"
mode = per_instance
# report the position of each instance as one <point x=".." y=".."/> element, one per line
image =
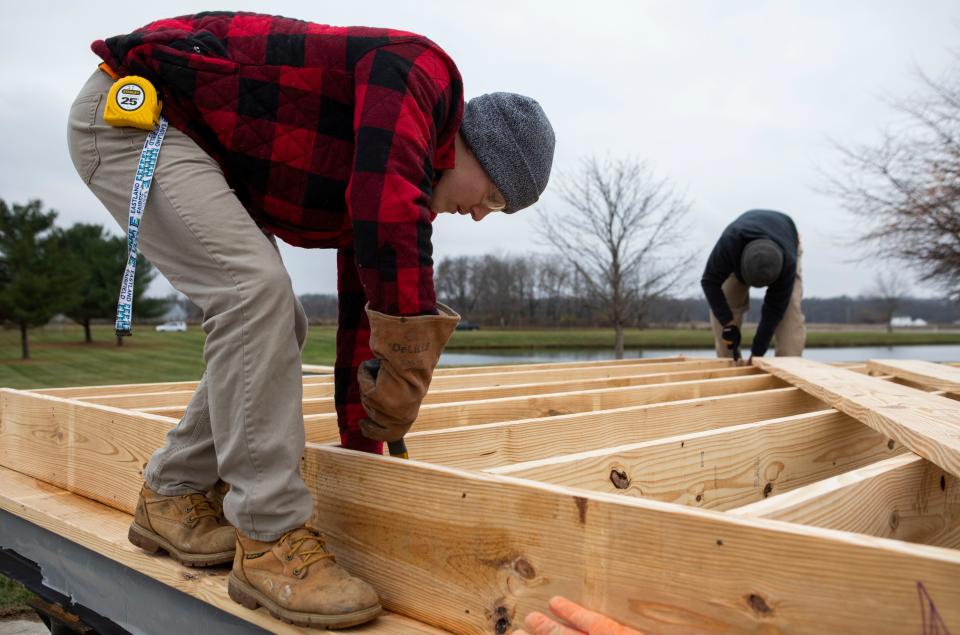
<point x="761" y="262"/>
<point x="513" y="140"/>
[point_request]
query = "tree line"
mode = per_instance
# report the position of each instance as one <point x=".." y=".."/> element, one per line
<point x="540" y="290"/>
<point x="47" y="270"/>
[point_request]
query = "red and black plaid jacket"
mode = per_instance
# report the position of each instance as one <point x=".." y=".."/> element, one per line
<point x="331" y="137"/>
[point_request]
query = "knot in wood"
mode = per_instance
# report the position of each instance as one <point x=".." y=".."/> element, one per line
<point x="758" y="604"/>
<point x="894" y="520"/>
<point x="619" y="478"/>
<point x="524" y="569"/>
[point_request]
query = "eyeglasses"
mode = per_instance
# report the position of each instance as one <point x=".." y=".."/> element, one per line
<point x="494" y="200"/>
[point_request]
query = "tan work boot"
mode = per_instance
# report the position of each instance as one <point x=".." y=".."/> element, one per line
<point x="188" y="527"/>
<point x="299" y="581"/>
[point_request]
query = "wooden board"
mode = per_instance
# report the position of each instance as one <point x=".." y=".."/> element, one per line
<point x="499" y="368"/>
<point x="104" y="531"/>
<point x="318" y="398"/>
<point x="317" y="369"/>
<point x="936" y="376"/>
<point x="121" y="389"/>
<point x="473" y="552"/>
<point x="91" y="450"/>
<point x="904" y="497"/>
<point x="450" y="415"/>
<point x="927" y="424"/>
<point x="479" y="552"/>
<point x="487" y="380"/>
<point x="723" y="468"/>
<point x="495" y="444"/>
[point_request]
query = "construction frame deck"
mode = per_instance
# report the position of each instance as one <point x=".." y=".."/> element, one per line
<point x="676" y="495"/>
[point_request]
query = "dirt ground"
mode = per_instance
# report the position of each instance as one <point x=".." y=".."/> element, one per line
<point x="23" y="624"/>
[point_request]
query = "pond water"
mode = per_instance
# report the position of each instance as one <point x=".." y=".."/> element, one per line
<point x="466" y="357"/>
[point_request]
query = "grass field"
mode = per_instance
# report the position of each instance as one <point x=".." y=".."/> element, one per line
<point x="13" y="598"/>
<point x="59" y="357"/>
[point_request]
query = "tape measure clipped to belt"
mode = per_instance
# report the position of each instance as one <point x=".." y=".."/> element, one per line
<point x="133" y="103"/>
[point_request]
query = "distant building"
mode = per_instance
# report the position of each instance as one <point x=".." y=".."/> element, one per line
<point x="907" y="321"/>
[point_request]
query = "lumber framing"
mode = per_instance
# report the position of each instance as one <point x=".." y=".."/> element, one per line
<point x="489" y="445"/>
<point x="483" y="550"/>
<point x="499" y="368"/>
<point x="507" y="545"/>
<point x="513" y="377"/>
<point x="449" y="415"/>
<point x="904" y="497"/>
<point x="658" y="492"/>
<point x="318" y="398"/>
<point x="724" y="468"/>
<point x="937" y="376"/>
<point x="927" y="424"/>
<point x="104" y="531"/>
<point x="119" y="389"/>
<point x="325" y="377"/>
<point x="444" y="395"/>
<point x="126" y="389"/>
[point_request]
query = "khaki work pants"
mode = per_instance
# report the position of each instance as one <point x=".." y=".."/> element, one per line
<point x="790" y="335"/>
<point x="244" y="423"/>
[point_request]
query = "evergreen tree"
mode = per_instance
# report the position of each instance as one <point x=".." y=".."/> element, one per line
<point x="37" y="280"/>
<point x="102" y="259"/>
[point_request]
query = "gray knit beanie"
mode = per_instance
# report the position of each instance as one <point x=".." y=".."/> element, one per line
<point x="761" y="262"/>
<point x="513" y="140"/>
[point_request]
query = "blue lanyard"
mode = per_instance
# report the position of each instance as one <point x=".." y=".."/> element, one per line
<point x="138" y="201"/>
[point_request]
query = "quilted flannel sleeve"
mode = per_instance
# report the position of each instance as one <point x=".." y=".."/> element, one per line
<point x="403" y="96"/>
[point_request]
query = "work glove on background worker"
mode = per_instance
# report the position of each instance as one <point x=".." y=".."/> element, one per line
<point x="731" y="337"/>
<point x="407" y="349"/>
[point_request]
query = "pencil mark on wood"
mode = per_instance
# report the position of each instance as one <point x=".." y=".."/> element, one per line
<point x="930" y="619"/>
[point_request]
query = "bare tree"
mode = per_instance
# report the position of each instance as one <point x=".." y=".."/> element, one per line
<point x="455" y="283"/>
<point x="552" y="279"/>
<point x="888" y="289"/>
<point x="623" y="234"/>
<point x="905" y="190"/>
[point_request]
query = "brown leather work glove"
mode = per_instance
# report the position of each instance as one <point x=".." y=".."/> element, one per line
<point x="408" y="349"/>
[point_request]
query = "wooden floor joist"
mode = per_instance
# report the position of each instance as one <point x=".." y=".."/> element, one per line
<point x="675" y="495"/>
<point x="499" y="368"/>
<point x="927" y="424"/>
<point x="318" y="398"/>
<point x="495" y="444"/>
<point x="450" y="415"/>
<point x="904" y="497"/>
<point x="939" y="376"/>
<point x="722" y="468"/>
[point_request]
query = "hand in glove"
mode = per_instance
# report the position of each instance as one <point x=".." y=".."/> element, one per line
<point x="407" y="349"/>
<point x="731" y="337"/>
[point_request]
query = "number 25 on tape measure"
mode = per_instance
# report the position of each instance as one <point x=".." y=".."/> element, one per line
<point x="132" y="102"/>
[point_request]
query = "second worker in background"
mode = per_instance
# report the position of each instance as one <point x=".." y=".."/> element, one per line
<point x="761" y="248"/>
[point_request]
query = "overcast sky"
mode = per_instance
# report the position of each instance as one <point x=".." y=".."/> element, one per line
<point x="736" y="102"/>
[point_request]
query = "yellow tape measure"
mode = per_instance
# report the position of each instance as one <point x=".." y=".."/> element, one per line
<point x="133" y="102"/>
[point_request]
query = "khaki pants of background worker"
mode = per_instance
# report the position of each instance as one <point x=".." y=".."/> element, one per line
<point x="790" y="335"/>
<point x="244" y="423"/>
